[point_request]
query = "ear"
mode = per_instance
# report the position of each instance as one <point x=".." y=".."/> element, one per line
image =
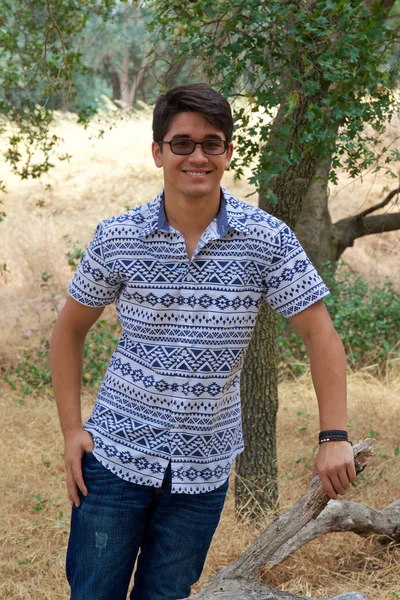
<point x="157" y="154"/>
<point x="228" y="156"/>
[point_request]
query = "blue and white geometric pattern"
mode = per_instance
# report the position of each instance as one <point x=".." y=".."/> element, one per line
<point x="171" y="390"/>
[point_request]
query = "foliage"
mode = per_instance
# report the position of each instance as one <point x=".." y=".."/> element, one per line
<point x="99" y="346"/>
<point x="75" y="254"/>
<point x="105" y="44"/>
<point x="37" y="66"/>
<point x="324" y="67"/>
<point x="32" y="373"/>
<point x="366" y="318"/>
<point x="64" y="55"/>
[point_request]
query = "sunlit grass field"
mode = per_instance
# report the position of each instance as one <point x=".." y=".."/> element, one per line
<point x="44" y="219"/>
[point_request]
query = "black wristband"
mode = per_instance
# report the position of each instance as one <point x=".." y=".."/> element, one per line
<point x="331" y="435"/>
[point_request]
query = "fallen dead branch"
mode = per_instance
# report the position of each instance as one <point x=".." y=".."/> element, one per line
<point x="239" y="581"/>
<point x="341" y="515"/>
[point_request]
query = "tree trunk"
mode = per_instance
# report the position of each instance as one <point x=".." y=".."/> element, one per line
<point x="138" y="80"/>
<point x="124" y="83"/>
<point x="314" y="227"/>
<point x="293" y="185"/>
<point x="113" y="77"/>
<point x="256" y="468"/>
<point x="255" y="590"/>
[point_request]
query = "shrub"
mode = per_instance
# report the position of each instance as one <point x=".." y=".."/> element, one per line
<point x="367" y="319"/>
<point x="33" y="371"/>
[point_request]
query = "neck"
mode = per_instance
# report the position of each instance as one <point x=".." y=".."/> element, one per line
<point x="190" y="216"/>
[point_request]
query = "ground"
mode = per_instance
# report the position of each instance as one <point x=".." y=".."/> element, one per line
<point x="35" y="510"/>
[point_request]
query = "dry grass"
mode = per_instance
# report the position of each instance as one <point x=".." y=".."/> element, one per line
<point x="103" y="177"/>
<point x="35" y="510"/>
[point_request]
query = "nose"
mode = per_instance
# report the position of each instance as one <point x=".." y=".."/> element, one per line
<point x="198" y="154"/>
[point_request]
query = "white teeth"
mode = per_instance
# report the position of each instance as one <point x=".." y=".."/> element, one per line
<point x="197" y="173"/>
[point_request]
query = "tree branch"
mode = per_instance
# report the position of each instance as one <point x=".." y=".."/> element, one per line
<point x="55" y="26"/>
<point x="345" y="516"/>
<point x="384" y="202"/>
<point x="240" y="580"/>
<point x="349" y="229"/>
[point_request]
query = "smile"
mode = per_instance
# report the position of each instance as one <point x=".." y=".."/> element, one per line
<point x="197" y="173"/>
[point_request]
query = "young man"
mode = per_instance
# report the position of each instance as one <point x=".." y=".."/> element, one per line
<point x="148" y="472"/>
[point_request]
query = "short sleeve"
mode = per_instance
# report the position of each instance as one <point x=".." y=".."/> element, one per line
<point x="94" y="283"/>
<point x="292" y="283"/>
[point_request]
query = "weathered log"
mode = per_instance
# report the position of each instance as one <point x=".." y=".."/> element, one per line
<point x="342" y="515"/>
<point x="239" y="581"/>
<point x="236" y="589"/>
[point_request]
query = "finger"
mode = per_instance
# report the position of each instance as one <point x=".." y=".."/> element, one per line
<point x="72" y="488"/>
<point x="337" y="484"/>
<point x="351" y="472"/>
<point x="328" y="488"/>
<point x="77" y="472"/>
<point x="344" y="478"/>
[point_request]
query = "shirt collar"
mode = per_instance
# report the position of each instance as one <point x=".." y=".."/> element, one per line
<point x="228" y="216"/>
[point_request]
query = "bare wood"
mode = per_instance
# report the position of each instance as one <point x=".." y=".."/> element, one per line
<point x="239" y="581"/>
<point x="235" y="589"/>
<point x="345" y="516"/>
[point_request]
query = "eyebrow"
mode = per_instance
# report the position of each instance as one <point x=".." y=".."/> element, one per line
<point x="209" y="136"/>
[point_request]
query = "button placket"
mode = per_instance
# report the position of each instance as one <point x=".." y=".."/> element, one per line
<point x="182" y="269"/>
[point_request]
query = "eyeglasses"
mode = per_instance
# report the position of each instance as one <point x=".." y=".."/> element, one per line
<point x="213" y="147"/>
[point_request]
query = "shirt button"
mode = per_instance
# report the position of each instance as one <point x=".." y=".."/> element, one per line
<point x="184" y="352"/>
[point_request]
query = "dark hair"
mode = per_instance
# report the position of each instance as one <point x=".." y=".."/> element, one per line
<point x="194" y="97"/>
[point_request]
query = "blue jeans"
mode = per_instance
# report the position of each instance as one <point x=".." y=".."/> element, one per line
<point x="117" y="518"/>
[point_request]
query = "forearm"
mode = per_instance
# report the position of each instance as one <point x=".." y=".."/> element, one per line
<point x="66" y="360"/>
<point x="328" y="371"/>
<point x="334" y="463"/>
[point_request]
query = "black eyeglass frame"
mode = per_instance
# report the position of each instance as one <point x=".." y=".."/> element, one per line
<point x="226" y="146"/>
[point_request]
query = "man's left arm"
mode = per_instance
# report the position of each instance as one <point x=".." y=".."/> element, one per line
<point x="335" y="461"/>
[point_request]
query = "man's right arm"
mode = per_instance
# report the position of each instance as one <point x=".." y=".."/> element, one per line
<point x="66" y="358"/>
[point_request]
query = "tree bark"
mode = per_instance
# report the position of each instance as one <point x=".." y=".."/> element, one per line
<point x="129" y="88"/>
<point x="349" y="229"/>
<point x="342" y="515"/>
<point x="325" y="241"/>
<point x="239" y="581"/>
<point x="314" y="227"/>
<point x="256" y="472"/>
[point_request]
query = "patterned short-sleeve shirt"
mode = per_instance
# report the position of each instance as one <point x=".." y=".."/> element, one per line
<point x="171" y="389"/>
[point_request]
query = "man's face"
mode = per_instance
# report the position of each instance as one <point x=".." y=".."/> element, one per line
<point x="195" y="175"/>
